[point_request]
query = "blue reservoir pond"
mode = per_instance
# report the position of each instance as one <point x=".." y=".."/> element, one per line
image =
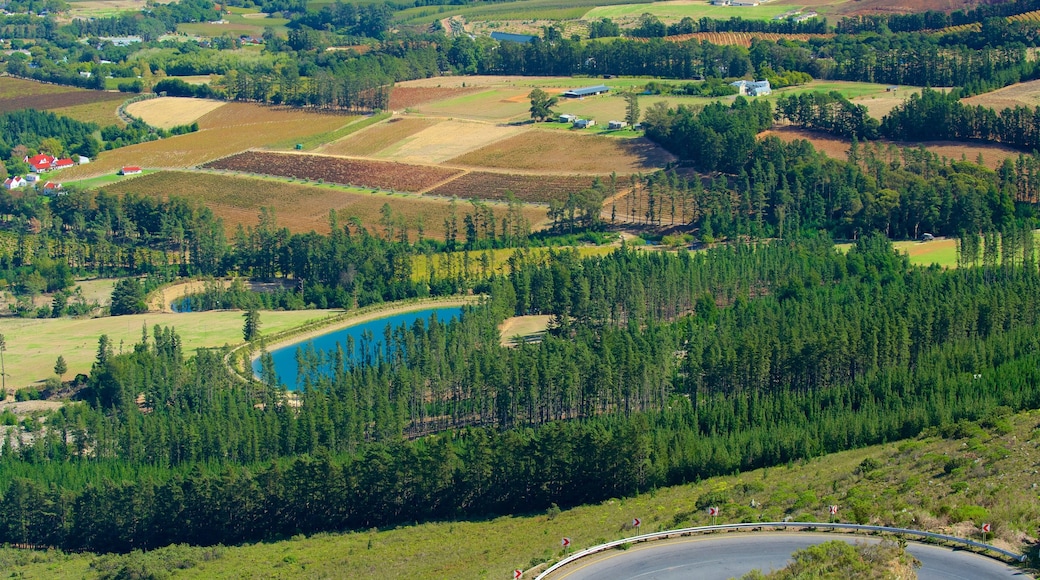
<point x="370" y="333"/>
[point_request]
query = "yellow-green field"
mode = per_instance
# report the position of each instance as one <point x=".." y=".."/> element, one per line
<point x="904" y="484"/>
<point x="34" y="344"/>
<point x="241" y="21"/>
<point x="674" y="10"/>
<point x="498" y="260"/>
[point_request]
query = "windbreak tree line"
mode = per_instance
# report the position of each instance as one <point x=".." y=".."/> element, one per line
<point x="657" y="369"/>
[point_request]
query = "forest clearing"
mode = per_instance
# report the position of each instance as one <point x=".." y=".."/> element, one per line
<point x="992" y="154"/>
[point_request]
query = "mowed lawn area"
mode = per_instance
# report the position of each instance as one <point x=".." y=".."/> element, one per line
<point x="34" y="344"/>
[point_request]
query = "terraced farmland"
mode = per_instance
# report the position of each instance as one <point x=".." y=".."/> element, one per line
<point x="361" y="173"/>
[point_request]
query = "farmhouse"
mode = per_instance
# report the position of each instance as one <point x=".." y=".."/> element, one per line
<point x="51" y="188"/>
<point x="32" y="178"/>
<point x="130" y="170"/>
<point x="805" y="16"/>
<point x="14" y="182"/>
<point x="584" y="123"/>
<point x="63" y="163"/>
<point x="40" y="163"/>
<point x="753" y="88"/>
<point x="509" y="37"/>
<point x="614" y="125"/>
<point x="586" y="91"/>
<point x="568" y="118"/>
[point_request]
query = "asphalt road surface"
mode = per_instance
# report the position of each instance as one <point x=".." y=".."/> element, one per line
<point x="733" y="555"/>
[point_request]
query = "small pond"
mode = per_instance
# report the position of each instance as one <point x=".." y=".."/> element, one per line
<point x="285" y="358"/>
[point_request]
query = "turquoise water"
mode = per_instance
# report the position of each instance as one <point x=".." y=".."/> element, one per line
<point x="368" y="340"/>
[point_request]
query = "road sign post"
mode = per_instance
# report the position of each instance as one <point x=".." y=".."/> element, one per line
<point x="636" y="522"/>
<point x="566" y="543"/>
<point x="834" y="512"/>
<point x="517" y="574"/>
<point x="713" y="511"/>
<point x="985" y="532"/>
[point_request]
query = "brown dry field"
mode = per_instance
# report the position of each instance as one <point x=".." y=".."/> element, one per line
<point x="524" y="326"/>
<point x="378" y="137"/>
<point x="301" y="208"/>
<point x="169" y="112"/>
<point x="402" y="97"/>
<point x="878" y="107"/>
<point x="480" y="81"/>
<point x="565" y="152"/>
<point x="230" y="129"/>
<point x="27" y="94"/>
<point x="364" y="173"/>
<point x="992" y="155"/>
<point x="446" y="140"/>
<point x="102" y="112"/>
<point x="1021" y="94"/>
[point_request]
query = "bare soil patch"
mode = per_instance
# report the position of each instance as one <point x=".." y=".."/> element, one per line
<point x="403" y="97"/>
<point x="526" y="327"/>
<point x="358" y="172"/>
<point x="169" y="112"/>
<point x="230" y="129"/>
<point x="526" y="187"/>
<point x="1022" y="94"/>
<point x="446" y="140"/>
<point x="566" y="152"/>
<point x="378" y="137"/>
<point x="992" y="155"/>
<point x="299" y="207"/>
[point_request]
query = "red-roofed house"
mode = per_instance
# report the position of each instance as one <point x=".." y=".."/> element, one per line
<point x="40" y="163"/>
<point x="52" y="187"/>
<point x="63" y="163"/>
<point x="14" y="182"/>
<point x="130" y="170"/>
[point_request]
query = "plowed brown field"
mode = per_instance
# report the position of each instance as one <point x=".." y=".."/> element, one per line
<point x="566" y="152"/>
<point x="232" y="128"/>
<point x="992" y="155"/>
<point x="403" y="97"/>
<point x="359" y="172"/>
<point x="528" y="188"/>
<point x="378" y="137"/>
<point x="301" y="208"/>
<point x="17" y="94"/>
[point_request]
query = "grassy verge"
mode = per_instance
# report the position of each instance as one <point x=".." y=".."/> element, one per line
<point x="941" y="483"/>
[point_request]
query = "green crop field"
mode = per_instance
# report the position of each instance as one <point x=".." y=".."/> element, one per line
<point x="520" y="10"/>
<point x="908" y="483"/>
<point x="679" y="9"/>
<point x="34" y="344"/>
<point x="497" y="105"/>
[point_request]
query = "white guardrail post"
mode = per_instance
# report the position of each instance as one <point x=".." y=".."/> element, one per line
<point x="722" y="527"/>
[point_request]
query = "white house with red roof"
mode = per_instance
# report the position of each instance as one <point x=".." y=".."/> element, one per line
<point x="14" y="182"/>
<point x="40" y="163"/>
<point x="130" y="170"/>
<point x="63" y="163"/>
<point x="52" y="187"/>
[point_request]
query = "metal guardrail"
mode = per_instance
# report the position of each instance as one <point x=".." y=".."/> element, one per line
<point x="703" y="529"/>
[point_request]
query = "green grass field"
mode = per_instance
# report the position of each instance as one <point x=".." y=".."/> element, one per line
<point x="679" y="9"/>
<point x="241" y="21"/>
<point x="34" y="344"/>
<point x="103" y="180"/>
<point x="903" y="484"/>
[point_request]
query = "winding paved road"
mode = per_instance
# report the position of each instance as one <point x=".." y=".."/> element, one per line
<point x="733" y="555"/>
